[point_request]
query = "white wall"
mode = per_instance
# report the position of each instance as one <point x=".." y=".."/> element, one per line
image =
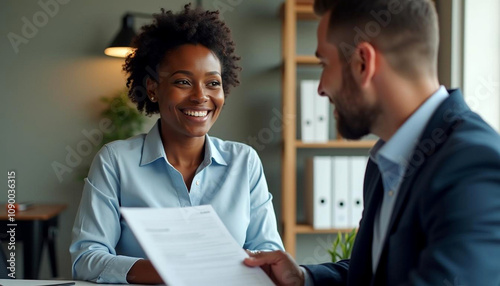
<point x="482" y="59"/>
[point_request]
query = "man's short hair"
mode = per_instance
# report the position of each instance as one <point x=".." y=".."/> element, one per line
<point x="405" y="31"/>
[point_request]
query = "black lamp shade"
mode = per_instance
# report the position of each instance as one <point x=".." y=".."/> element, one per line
<point x="121" y="45"/>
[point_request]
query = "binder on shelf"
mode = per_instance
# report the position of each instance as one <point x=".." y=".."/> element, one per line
<point x="321" y="116"/>
<point x="307" y="95"/>
<point x="357" y="175"/>
<point x="340" y="192"/>
<point x="318" y="192"/>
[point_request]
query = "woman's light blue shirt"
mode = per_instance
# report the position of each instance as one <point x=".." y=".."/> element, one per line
<point x="136" y="173"/>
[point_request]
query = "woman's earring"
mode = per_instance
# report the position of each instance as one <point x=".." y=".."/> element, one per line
<point x="152" y="98"/>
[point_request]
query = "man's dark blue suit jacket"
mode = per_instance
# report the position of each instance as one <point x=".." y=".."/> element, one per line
<point x="445" y="226"/>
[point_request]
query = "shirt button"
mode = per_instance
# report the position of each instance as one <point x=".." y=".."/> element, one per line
<point x="391" y="193"/>
<point x="197" y="183"/>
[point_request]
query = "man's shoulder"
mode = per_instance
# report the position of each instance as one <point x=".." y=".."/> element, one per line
<point x="469" y="145"/>
<point x="455" y="127"/>
<point x="470" y="133"/>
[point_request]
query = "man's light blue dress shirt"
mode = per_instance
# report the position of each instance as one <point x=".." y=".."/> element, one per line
<point x="392" y="159"/>
<point x="136" y="173"/>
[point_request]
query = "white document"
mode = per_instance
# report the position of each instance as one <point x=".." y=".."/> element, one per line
<point x="191" y="246"/>
<point x="307" y="94"/>
<point x="340" y="192"/>
<point x="318" y="192"/>
<point x="357" y="176"/>
<point x="321" y="116"/>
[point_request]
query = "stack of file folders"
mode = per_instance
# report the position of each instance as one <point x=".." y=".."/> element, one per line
<point x="334" y="191"/>
<point x="315" y="113"/>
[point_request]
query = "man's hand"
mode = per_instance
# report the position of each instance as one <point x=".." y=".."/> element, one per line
<point x="278" y="265"/>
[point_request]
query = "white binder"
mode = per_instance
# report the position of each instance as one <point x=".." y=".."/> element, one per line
<point x="308" y="92"/>
<point x="340" y="192"/>
<point x="357" y="176"/>
<point x="318" y="192"/>
<point x="321" y="116"/>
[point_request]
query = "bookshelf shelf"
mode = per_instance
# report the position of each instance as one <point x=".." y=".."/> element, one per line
<point x="306" y="60"/>
<point x="305" y="11"/>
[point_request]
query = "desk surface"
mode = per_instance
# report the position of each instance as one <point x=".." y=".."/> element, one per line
<point x="37" y="212"/>
<point x="21" y="282"/>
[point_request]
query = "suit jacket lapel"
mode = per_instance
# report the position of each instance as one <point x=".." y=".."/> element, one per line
<point x="360" y="266"/>
<point x="442" y="122"/>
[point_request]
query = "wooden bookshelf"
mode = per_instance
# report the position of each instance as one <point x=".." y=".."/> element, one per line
<point x="291" y="12"/>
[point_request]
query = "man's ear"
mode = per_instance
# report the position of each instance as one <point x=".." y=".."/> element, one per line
<point x="151" y="87"/>
<point x="363" y="63"/>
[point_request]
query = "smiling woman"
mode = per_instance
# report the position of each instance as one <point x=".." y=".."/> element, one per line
<point x="183" y="68"/>
<point x="189" y="93"/>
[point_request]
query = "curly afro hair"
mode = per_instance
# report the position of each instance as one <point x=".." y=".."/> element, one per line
<point x="169" y="31"/>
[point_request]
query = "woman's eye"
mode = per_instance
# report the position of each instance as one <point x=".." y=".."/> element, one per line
<point x="214" y="83"/>
<point x="182" y="82"/>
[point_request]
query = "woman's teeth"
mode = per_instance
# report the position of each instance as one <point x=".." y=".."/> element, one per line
<point x="196" y="113"/>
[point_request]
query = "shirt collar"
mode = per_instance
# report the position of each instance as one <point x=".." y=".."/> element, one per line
<point x="400" y="147"/>
<point x="153" y="149"/>
<point x="212" y="152"/>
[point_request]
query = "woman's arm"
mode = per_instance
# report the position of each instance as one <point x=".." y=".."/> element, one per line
<point x="97" y="228"/>
<point x="262" y="232"/>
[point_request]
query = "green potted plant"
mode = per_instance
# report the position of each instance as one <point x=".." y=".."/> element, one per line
<point x="127" y="121"/>
<point x="342" y="246"/>
<point x="125" y="118"/>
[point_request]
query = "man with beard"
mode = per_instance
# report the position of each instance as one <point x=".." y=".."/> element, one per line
<point x="432" y="184"/>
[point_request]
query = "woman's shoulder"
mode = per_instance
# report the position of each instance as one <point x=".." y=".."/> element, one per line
<point x="124" y="146"/>
<point x="125" y="152"/>
<point x="232" y="148"/>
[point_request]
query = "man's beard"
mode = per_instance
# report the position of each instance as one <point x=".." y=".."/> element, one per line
<point x="353" y="127"/>
<point x="354" y="119"/>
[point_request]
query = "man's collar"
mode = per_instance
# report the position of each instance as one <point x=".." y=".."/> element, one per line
<point x="400" y="146"/>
